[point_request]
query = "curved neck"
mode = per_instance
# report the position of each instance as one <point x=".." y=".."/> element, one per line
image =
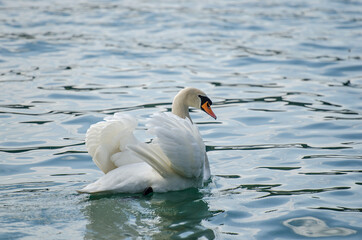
<point x="179" y="106"/>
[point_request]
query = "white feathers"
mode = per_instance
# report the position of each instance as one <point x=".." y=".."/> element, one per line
<point x="181" y="142"/>
<point x="108" y="137"/>
<point x="174" y="160"/>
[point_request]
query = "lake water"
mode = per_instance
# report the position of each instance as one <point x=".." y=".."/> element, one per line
<point x="285" y="152"/>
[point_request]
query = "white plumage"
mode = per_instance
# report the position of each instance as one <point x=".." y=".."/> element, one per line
<point x="175" y="159"/>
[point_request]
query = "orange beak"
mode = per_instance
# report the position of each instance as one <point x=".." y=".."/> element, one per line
<point x="206" y="107"/>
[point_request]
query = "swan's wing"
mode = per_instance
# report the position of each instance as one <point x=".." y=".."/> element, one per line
<point x="181" y="142"/>
<point x="109" y="137"/>
<point x="153" y="155"/>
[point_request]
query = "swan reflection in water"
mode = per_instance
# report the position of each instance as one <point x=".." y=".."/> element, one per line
<point x="161" y="216"/>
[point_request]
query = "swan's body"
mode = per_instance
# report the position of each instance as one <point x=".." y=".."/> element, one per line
<point x="176" y="159"/>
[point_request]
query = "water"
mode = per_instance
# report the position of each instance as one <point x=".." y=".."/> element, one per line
<point x="285" y="152"/>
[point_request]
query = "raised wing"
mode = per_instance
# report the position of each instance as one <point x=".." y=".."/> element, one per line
<point x="181" y="142"/>
<point x="109" y="137"/>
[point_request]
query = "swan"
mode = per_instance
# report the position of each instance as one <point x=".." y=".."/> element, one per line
<point x="174" y="160"/>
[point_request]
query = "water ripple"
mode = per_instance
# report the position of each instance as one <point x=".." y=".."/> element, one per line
<point x="285" y="79"/>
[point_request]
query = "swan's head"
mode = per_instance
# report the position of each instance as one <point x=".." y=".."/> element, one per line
<point x="193" y="97"/>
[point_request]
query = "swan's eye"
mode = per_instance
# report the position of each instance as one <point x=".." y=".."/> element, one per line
<point x="204" y="100"/>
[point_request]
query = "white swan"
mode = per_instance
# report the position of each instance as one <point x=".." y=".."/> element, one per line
<point x="176" y="159"/>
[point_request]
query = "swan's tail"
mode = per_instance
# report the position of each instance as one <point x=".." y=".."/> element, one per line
<point x="109" y="137"/>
